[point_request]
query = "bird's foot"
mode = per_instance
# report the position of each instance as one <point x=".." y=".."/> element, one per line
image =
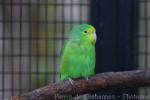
<point x="87" y="78"/>
<point x="71" y="81"/>
<point x="72" y="85"/>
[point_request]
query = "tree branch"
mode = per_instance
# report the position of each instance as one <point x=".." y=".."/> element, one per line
<point x="99" y="82"/>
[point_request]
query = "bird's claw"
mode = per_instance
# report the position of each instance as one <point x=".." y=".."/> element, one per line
<point x="87" y="78"/>
<point x="71" y="81"/>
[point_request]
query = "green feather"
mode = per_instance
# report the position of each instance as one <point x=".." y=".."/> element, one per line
<point x="78" y="54"/>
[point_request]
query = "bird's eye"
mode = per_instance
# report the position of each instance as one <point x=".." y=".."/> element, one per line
<point x="85" y="32"/>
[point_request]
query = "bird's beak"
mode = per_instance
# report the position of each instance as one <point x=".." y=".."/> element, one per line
<point x="95" y="37"/>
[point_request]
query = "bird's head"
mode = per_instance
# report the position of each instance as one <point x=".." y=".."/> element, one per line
<point x="85" y="33"/>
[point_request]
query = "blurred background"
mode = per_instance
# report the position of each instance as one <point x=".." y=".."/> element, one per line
<point x="32" y="33"/>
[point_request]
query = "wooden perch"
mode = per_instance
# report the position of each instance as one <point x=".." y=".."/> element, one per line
<point x="99" y="82"/>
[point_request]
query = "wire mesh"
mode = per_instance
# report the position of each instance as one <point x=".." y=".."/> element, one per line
<point x="32" y="33"/>
<point x="144" y="39"/>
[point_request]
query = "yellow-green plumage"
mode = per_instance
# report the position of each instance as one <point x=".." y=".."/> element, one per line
<point x="78" y="54"/>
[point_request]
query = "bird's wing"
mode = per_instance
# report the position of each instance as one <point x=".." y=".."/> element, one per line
<point x="73" y="44"/>
<point x="66" y="53"/>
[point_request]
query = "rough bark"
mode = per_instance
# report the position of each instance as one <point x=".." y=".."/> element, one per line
<point x="99" y="82"/>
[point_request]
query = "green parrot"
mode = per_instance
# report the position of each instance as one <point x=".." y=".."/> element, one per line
<point x="78" y="54"/>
